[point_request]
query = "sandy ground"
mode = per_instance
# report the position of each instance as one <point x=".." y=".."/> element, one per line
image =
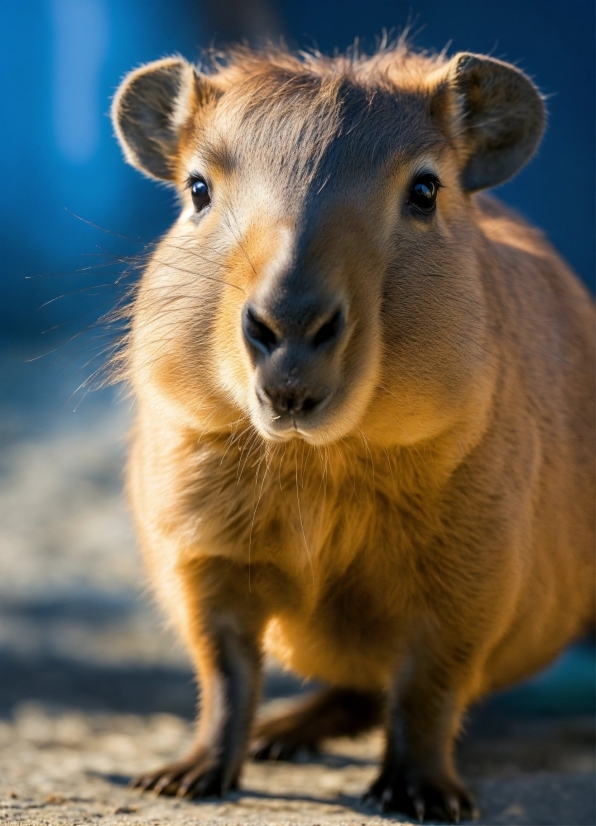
<point x="93" y="688"/>
<point x="68" y="767"/>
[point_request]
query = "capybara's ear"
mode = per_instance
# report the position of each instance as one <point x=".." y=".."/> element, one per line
<point x="496" y="116"/>
<point x="152" y="107"/>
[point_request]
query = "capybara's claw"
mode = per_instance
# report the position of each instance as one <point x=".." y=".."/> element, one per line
<point x="196" y="776"/>
<point x="399" y="791"/>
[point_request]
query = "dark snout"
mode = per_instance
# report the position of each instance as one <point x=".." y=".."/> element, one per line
<point x="294" y="355"/>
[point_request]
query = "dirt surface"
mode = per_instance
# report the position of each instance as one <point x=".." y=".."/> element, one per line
<point x="93" y="689"/>
<point x="71" y="767"/>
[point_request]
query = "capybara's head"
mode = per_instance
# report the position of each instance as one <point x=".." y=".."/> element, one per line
<point x="326" y="273"/>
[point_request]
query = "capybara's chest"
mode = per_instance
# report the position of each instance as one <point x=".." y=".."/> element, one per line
<point x="341" y="579"/>
<point x="303" y="510"/>
<point x="349" y="628"/>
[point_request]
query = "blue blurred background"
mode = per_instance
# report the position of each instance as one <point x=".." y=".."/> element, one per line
<point x="62" y="60"/>
<point x="71" y="210"/>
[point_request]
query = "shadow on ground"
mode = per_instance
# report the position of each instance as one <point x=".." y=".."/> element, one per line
<point x="122" y="689"/>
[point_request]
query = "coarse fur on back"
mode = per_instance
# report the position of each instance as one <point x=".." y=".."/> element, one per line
<point x="364" y="439"/>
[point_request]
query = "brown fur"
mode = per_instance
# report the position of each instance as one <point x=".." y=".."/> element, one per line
<point x="430" y="538"/>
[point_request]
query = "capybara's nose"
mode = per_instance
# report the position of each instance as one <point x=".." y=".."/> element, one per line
<point x="263" y="333"/>
<point x="292" y="346"/>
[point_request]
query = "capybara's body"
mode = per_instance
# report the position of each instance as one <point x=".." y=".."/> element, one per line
<point x="365" y="428"/>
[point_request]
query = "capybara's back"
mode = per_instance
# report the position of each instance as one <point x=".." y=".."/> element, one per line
<point x="365" y="429"/>
<point x="543" y="428"/>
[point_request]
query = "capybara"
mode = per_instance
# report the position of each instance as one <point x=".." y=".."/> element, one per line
<point x="364" y="437"/>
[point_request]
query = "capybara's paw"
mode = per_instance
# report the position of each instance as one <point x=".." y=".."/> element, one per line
<point x="400" y="790"/>
<point x="198" y="775"/>
<point x="278" y="739"/>
<point x="279" y="750"/>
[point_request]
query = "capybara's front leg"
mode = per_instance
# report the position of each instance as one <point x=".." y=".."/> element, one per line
<point x="222" y="627"/>
<point x="418" y="775"/>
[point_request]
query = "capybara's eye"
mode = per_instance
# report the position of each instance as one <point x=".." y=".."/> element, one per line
<point x="423" y="194"/>
<point x="200" y="194"/>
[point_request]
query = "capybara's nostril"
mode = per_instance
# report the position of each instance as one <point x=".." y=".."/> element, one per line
<point x="256" y="332"/>
<point x="309" y="404"/>
<point x="330" y="330"/>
